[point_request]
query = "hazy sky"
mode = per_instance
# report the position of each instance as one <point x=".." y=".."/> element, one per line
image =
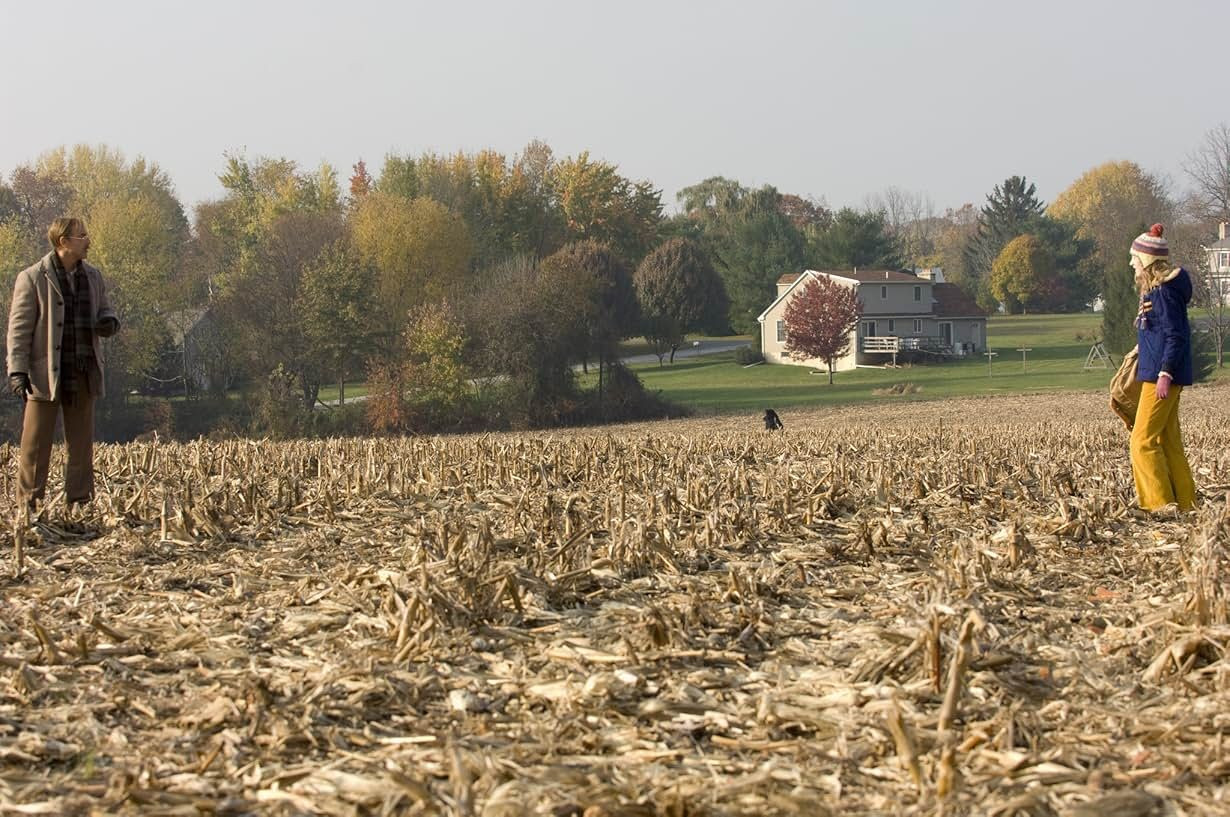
<point x="834" y="100"/>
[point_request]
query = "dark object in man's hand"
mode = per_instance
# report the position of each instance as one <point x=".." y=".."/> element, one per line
<point x="771" y="421"/>
<point x="19" y="384"/>
<point x="107" y="327"/>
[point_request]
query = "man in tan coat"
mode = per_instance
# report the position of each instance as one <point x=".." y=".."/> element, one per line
<point x="59" y="313"/>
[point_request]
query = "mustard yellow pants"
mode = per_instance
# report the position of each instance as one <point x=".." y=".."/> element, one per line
<point x="1158" y="462"/>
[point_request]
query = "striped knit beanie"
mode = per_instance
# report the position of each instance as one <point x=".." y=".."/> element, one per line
<point x="1150" y="246"/>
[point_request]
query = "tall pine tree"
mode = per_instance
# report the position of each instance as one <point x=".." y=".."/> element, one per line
<point x="855" y="239"/>
<point x="1119" y="302"/>
<point x="1012" y="208"/>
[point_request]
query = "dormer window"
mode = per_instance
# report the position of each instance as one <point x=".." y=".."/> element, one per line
<point x="883" y="293"/>
<point x="918" y="294"/>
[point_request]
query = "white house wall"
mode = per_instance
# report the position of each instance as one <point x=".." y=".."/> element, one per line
<point x="774" y="351"/>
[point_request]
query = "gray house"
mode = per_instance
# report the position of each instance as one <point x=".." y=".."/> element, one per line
<point x="1218" y="256"/>
<point x="902" y="312"/>
<point x="196" y="341"/>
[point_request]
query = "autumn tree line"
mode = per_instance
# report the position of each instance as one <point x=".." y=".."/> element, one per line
<point x="474" y="290"/>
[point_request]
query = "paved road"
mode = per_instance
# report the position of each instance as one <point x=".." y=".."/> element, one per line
<point x="695" y="349"/>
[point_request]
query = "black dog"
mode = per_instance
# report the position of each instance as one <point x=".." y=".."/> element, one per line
<point x="771" y="421"/>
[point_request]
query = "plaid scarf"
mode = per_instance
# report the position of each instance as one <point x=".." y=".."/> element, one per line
<point x="77" y="341"/>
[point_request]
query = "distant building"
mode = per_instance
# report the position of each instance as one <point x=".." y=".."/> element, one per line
<point x="902" y="313"/>
<point x="1217" y="255"/>
<point x="197" y="343"/>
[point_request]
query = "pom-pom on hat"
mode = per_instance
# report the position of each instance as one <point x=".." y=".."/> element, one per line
<point x="1151" y="246"/>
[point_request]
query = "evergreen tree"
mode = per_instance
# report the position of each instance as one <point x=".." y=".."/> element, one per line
<point x="1075" y="275"/>
<point x="751" y="237"/>
<point x="856" y="239"/>
<point x="1119" y="303"/>
<point x="1012" y="208"/>
<point x="751" y="254"/>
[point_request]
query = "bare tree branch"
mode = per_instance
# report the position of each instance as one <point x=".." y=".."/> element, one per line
<point x="1208" y="166"/>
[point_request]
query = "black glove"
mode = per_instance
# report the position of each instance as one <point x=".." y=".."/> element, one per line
<point x="107" y="327"/>
<point x="19" y="384"/>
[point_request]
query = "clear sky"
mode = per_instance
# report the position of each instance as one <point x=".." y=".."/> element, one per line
<point x="835" y="100"/>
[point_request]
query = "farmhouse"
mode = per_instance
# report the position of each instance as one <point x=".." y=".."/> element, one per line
<point x="1218" y="256"/>
<point x="903" y="312"/>
<point x="197" y="346"/>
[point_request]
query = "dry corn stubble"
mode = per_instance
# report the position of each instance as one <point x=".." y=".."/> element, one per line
<point x="874" y="612"/>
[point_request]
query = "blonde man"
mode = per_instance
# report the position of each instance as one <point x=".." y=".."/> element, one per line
<point x="59" y="312"/>
<point x="1163" y="335"/>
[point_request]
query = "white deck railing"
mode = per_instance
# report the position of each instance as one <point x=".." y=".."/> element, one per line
<point x="882" y="344"/>
<point x="890" y="344"/>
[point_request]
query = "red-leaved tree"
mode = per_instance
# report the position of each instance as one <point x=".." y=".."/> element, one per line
<point x="820" y="319"/>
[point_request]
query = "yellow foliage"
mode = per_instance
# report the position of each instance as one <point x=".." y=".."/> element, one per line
<point x="138" y="253"/>
<point x="1020" y="270"/>
<point x="1109" y="201"/>
<point x="420" y="249"/>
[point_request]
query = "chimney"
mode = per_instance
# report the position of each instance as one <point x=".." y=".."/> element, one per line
<point x="885" y="275"/>
<point x="1221" y="231"/>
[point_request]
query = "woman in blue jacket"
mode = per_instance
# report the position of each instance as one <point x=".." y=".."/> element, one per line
<point x="1164" y="338"/>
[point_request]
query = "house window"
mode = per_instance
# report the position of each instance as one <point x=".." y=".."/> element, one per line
<point x="883" y="293"/>
<point x="918" y="326"/>
<point x="974" y="331"/>
<point x="1225" y="260"/>
<point x="781" y="331"/>
<point x="892" y="326"/>
<point x="869" y="329"/>
<point x="917" y="293"/>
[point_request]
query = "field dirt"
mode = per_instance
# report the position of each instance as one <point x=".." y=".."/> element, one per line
<point x="908" y="608"/>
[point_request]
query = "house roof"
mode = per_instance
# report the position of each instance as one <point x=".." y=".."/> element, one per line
<point x="793" y="279"/>
<point x="953" y="302"/>
<point x="950" y="301"/>
<point x="1223" y="244"/>
<point x="182" y="321"/>
<point x="880" y="276"/>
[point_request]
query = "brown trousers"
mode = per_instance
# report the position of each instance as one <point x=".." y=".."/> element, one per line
<point x="38" y="426"/>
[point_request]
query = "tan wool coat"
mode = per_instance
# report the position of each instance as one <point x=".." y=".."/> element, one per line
<point x="36" y="326"/>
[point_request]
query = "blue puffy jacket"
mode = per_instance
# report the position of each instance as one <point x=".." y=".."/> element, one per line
<point x="1165" y="338"/>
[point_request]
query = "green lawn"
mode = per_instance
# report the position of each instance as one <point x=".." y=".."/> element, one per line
<point x="328" y="394"/>
<point x="717" y="384"/>
<point x="1055" y="362"/>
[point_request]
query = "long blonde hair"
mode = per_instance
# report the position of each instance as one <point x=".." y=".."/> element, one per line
<point x="1151" y="276"/>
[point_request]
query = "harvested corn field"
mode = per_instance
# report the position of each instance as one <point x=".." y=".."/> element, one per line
<point x="930" y="608"/>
